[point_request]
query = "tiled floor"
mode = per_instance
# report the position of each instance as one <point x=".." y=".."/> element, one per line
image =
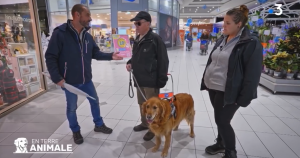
<point x="269" y="127"/>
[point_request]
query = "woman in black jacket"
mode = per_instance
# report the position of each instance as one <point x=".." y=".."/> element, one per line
<point x="232" y="76"/>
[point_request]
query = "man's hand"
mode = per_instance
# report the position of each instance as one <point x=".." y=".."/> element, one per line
<point x="115" y="56"/>
<point x="128" y="67"/>
<point x="61" y="83"/>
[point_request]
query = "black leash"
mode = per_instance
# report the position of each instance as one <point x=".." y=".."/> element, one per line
<point x="131" y="95"/>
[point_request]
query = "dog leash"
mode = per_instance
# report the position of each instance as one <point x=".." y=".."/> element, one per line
<point x="131" y="87"/>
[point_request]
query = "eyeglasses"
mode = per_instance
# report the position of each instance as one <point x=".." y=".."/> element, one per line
<point x="139" y="23"/>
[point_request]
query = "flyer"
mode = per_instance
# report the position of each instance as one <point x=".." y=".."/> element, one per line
<point x="122" y="45"/>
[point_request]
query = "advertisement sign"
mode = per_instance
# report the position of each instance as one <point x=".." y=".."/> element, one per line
<point x="165" y="29"/>
<point x="182" y="36"/>
<point x="122" y="45"/>
<point x="130" y="1"/>
<point x="175" y="30"/>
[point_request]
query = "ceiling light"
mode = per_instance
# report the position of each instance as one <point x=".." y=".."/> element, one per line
<point x="209" y="9"/>
<point x="97" y="14"/>
<point x="255" y="3"/>
<point x="197" y="7"/>
<point x="213" y="7"/>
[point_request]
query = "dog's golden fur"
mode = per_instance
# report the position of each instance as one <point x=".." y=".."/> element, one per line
<point x="158" y="111"/>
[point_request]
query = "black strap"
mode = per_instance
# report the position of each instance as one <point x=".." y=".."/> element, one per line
<point x="131" y="95"/>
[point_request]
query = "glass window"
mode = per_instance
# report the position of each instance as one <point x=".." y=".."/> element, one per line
<point x="101" y="28"/>
<point x="154" y="19"/>
<point x="57" y="13"/>
<point x="175" y="9"/>
<point x="178" y="10"/>
<point x="165" y="7"/>
<point x="153" y="5"/>
<point x="19" y="53"/>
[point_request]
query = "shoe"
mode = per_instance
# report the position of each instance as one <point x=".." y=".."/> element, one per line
<point x="148" y="136"/>
<point x="78" y="139"/>
<point x="139" y="128"/>
<point x="104" y="129"/>
<point x="216" y="148"/>
<point x="230" y="154"/>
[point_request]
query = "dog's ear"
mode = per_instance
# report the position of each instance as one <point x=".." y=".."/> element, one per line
<point x="16" y="142"/>
<point x="162" y="109"/>
<point x="143" y="108"/>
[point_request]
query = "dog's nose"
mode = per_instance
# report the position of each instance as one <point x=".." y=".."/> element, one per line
<point x="149" y="117"/>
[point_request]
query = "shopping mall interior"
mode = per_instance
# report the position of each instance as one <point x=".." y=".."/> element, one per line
<point x="33" y="108"/>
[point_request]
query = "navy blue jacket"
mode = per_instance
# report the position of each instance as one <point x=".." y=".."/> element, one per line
<point x="70" y="59"/>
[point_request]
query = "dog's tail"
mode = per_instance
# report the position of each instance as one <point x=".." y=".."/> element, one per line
<point x="190" y="113"/>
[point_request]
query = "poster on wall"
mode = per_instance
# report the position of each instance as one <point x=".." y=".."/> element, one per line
<point x="165" y="28"/>
<point x="131" y="1"/>
<point x="121" y="44"/>
<point x="181" y="36"/>
<point x="175" y="30"/>
<point x="195" y="33"/>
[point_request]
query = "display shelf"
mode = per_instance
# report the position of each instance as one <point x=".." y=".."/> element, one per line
<point x="280" y="85"/>
<point x="4" y="104"/>
<point x="25" y="69"/>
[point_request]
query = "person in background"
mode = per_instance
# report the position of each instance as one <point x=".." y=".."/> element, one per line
<point x="232" y="76"/>
<point x="150" y="63"/>
<point x="131" y="41"/>
<point x="189" y="38"/>
<point x="205" y="36"/>
<point x="68" y="59"/>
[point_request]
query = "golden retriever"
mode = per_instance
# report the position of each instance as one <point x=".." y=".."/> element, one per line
<point x="161" y="123"/>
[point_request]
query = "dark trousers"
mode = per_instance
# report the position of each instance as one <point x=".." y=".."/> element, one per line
<point x="223" y="117"/>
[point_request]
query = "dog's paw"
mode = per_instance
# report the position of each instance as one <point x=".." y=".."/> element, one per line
<point x="192" y="135"/>
<point x="164" y="154"/>
<point x="154" y="149"/>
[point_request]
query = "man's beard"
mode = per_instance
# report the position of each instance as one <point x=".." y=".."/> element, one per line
<point x="83" y="23"/>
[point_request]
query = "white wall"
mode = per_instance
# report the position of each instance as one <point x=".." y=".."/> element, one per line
<point x="60" y="5"/>
<point x="5" y="2"/>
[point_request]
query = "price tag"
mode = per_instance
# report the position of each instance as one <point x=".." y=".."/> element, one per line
<point x="254" y="18"/>
<point x="275" y="30"/>
<point x="267" y="32"/>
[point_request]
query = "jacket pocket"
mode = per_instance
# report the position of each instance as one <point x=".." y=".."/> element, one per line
<point x="65" y="73"/>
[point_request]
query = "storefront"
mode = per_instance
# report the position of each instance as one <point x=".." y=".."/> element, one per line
<point x="113" y="17"/>
<point x="25" y="34"/>
<point x="21" y="58"/>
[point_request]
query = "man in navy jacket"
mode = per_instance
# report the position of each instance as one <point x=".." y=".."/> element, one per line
<point x="69" y="57"/>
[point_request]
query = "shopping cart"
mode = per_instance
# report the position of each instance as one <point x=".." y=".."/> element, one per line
<point x="203" y="47"/>
<point x="188" y="45"/>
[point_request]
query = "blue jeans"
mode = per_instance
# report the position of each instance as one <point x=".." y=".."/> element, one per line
<point x="72" y="98"/>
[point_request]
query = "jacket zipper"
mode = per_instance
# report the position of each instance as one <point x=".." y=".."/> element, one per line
<point x="81" y="49"/>
<point x="65" y="70"/>
<point x="83" y="39"/>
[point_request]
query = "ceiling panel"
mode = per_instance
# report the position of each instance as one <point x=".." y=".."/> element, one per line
<point x="197" y="10"/>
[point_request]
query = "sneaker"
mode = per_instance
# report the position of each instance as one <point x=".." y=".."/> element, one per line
<point x="148" y="136"/>
<point x="230" y="154"/>
<point x="78" y="139"/>
<point x="216" y="148"/>
<point x="104" y="129"/>
<point x="139" y="128"/>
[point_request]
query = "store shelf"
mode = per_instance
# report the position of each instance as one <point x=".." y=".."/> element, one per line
<point x="280" y="85"/>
